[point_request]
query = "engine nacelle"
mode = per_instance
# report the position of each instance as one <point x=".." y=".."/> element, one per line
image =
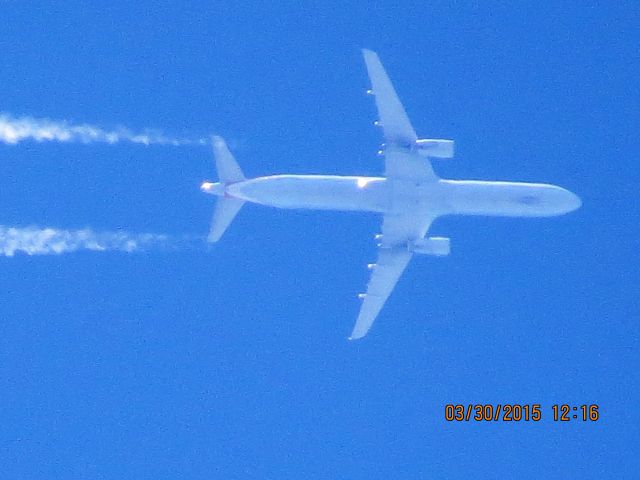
<point x="435" y="148"/>
<point x="439" y="246"/>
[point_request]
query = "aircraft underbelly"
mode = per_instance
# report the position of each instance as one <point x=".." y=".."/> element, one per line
<point x="417" y="197"/>
<point x="410" y="197"/>
<point x="315" y="192"/>
<point x="508" y="199"/>
<point x="374" y="194"/>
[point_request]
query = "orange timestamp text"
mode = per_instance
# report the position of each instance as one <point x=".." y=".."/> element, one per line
<point x="518" y="412"/>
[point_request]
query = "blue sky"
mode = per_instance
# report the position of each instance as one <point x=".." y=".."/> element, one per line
<point x="232" y="361"/>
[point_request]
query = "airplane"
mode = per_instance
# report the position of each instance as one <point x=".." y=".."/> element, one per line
<point x="409" y="197"/>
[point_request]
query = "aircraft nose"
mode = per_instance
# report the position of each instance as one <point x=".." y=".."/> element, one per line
<point x="573" y="201"/>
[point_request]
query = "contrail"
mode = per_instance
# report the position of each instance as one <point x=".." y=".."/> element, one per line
<point x="15" y="130"/>
<point x="52" y="241"/>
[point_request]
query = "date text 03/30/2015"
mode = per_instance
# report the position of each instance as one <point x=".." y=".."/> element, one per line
<point x="532" y="412"/>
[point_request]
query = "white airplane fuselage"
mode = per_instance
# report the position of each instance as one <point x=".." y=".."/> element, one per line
<point x="409" y="197"/>
<point x="381" y="195"/>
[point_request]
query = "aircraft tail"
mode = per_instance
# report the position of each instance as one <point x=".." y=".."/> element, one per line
<point x="227" y="167"/>
<point x="224" y="213"/>
<point x="228" y="172"/>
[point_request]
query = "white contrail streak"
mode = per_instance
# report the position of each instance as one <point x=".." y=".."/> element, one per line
<point x="52" y="241"/>
<point x="15" y="130"/>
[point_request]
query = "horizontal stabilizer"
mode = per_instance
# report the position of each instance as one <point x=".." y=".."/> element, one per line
<point x="223" y="215"/>
<point x="227" y="167"/>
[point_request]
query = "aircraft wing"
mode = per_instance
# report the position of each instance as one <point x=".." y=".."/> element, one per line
<point x="395" y="123"/>
<point x="397" y="230"/>
<point x="386" y="272"/>
<point x="400" y="161"/>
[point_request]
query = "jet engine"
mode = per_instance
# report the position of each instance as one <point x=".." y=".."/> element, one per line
<point x="439" y="246"/>
<point x="434" y="148"/>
